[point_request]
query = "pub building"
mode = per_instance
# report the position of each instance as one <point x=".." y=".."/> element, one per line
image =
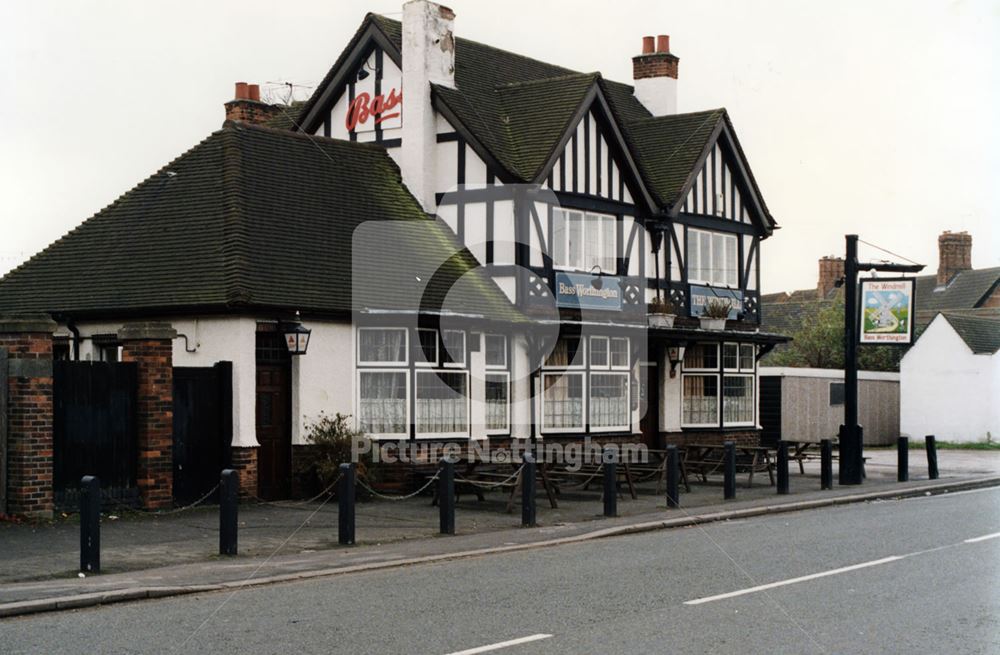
<point x="476" y="240"/>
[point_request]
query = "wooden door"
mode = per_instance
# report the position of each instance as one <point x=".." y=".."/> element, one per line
<point x="274" y="431"/>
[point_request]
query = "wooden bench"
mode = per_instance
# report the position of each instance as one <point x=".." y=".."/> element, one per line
<point x="705" y="459"/>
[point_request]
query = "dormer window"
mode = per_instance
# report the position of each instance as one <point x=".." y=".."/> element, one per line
<point x="712" y="258"/>
<point x="582" y="240"/>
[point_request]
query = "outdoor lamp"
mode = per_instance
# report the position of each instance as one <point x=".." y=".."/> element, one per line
<point x="597" y="282"/>
<point x="296" y="336"/>
<point x="676" y="355"/>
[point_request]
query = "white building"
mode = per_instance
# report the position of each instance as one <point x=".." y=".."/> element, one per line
<point x="950" y="379"/>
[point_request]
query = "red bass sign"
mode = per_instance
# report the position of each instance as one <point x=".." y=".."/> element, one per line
<point x="365" y="111"/>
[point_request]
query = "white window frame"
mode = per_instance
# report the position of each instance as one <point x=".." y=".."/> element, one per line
<point x="580" y="263"/>
<point x="628" y="354"/>
<point x="753" y="357"/>
<point x="419" y="348"/>
<point x="584" y="416"/>
<point x="722" y="358"/>
<point x="444" y="350"/>
<point x="357" y="409"/>
<point x="718" y="361"/>
<point x="581" y="356"/>
<point x="753" y="400"/>
<point x="607" y="353"/>
<point x="406" y="347"/>
<point x="718" y="398"/>
<point x="628" y="401"/>
<point x="506" y="348"/>
<point x="716" y="276"/>
<point x="506" y="376"/>
<point x="468" y="406"/>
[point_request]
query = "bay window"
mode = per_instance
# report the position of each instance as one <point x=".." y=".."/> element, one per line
<point x="583" y="240"/>
<point x="712" y="258"/>
<point x="563" y="401"/>
<point x="382" y="404"/>
<point x="609" y="408"/>
<point x="497" y="403"/>
<point x="589" y="386"/>
<point x="382" y="346"/>
<point x="719" y="391"/>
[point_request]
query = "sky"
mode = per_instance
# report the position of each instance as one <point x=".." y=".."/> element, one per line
<point x="867" y="117"/>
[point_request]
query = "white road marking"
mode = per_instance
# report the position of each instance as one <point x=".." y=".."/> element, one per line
<point x="782" y="583"/>
<point x="995" y="535"/>
<point x="502" y="644"/>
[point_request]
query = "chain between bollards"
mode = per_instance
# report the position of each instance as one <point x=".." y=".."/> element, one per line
<point x="90" y="524"/>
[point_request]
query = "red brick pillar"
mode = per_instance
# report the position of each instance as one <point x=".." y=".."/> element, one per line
<point x="150" y="346"/>
<point x="244" y="460"/>
<point x="27" y="342"/>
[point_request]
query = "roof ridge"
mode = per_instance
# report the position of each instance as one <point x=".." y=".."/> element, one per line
<point x="702" y="112"/>
<point x="548" y="80"/>
<point x="234" y="243"/>
<point x="237" y="125"/>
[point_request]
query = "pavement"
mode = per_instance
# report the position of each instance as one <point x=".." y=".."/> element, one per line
<point x="162" y="555"/>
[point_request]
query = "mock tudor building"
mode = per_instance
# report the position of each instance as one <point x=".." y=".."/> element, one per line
<point x="474" y="238"/>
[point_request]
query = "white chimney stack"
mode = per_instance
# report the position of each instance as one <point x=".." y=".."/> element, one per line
<point x="655" y="75"/>
<point x="428" y="58"/>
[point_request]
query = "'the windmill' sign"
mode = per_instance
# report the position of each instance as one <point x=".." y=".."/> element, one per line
<point x="887" y="311"/>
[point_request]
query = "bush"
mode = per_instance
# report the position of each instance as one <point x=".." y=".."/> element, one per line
<point x="330" y="441"/>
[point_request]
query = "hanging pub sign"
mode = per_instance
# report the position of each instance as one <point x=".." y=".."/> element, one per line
<point x="701" y="296"/>
<point x="369" y="109"/>
<point x="887" y="311"/>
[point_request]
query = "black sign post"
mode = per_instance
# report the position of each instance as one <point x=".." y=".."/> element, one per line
<point x="850" y="448"/>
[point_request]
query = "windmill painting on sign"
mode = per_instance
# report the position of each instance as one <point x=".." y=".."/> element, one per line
<point x="886" y="311"/>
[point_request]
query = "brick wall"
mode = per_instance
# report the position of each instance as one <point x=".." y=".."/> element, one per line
<point x="658" y="64"/>
<point x="954" y="255"/>
<point x="739" y="437"/>
<point x="244" y="460"/>
<point x="150" y="346"/>
<point x="28" y="342"/>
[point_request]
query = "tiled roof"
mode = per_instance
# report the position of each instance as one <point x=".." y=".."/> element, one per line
<point x="254" y="217"/>
<point x="518" y="108"/>
<point x="981" y="332"/>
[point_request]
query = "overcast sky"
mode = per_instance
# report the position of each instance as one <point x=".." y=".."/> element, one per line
<point x="874" y="117"/>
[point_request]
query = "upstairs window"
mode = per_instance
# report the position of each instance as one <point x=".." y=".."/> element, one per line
<point x="581" y="241"/>
<point x="712" y="258"/>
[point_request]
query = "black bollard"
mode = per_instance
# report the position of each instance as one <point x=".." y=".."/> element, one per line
<point x="902" y="459"/>
<point x="673" y="477"/>
<point x="229" y="496"/>
<point x="345" y="511"/>
<point x="446" y="496"/>
<point x="932" y="468"/>
<point x="610" y="460"/>
<point x="528" y="491"/>
<point x="90" y="524"/>
<point x="729" y="469"/>
<point x="782" y="467"/>
<point x="825" y="464"/>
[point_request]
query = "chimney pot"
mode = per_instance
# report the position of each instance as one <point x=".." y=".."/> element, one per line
<point x="647" y="45"/>
<point x="242" y="91"/>
<point x="663" y="43"/>
<point x="254" y="92"/>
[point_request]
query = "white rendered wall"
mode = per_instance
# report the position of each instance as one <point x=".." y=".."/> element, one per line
<point x="948" y="391"/>
<point x="520" y="376"/>
<point x="323" y="378"/>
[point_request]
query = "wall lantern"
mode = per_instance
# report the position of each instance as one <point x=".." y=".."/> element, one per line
<point x="676" y="355"/>
<point x="296" y="336"/>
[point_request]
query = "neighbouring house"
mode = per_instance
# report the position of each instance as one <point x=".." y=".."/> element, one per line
<point x="950" y="378"/>
<point x="480" y="265"/>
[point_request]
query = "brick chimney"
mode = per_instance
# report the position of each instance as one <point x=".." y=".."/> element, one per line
<point x="247" y="107"/>
<point x="831" y="269"/>
<point x="655" y="75"/>
<point x="954" y="255"/>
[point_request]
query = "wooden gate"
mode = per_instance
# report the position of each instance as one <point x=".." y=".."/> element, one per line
<point x="94" y="429"/>
<point x="203" y="428"/>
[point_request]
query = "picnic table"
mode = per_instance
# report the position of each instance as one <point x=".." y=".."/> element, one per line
<point x="658" y="469"/>
<point x="476" y="475"/>
<point x="705" y="459"/>
<point x="801" y="451"/>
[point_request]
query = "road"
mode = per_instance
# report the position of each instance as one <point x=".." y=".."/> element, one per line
<point x="912" y="576"/>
